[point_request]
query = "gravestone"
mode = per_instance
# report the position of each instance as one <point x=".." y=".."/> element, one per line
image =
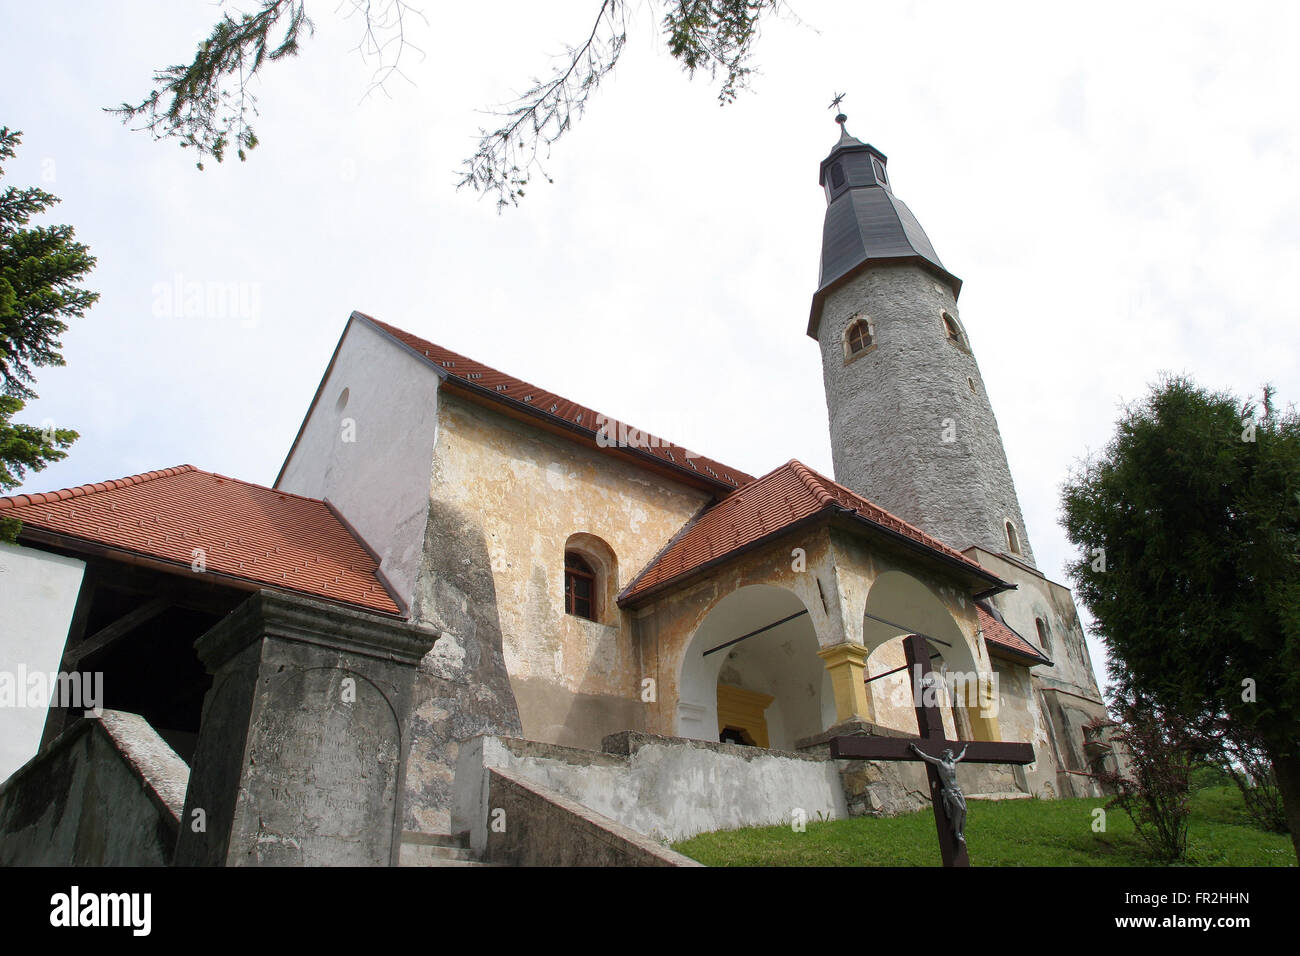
<point x="302" y="747"/>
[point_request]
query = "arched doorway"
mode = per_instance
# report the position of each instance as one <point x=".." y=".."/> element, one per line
<point x="770" y="685"/>
<point x="897" y="605"/>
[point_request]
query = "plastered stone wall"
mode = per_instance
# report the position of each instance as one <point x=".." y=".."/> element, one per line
<point x="888" y="411"/>
<point x="107" y="792"/>
<point x="505" y="497"/>
<point x="1065" y="695"/>
<point x="366" y="446"/>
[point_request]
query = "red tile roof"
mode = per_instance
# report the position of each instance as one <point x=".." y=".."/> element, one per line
<point x="515" y="392"/>
<point x="765" y="507"/>
<point x="246" y="531"/>
<point x="1001" y="637"/>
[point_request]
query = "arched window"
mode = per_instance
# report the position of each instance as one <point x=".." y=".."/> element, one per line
<point x="1013" y="539"/>
<point x="951" y="328"/>
<point x="859" y="337"/>
<point x="579" y="586"/>
<point x="837" y="176"/>
<point x="1042" y="632"/>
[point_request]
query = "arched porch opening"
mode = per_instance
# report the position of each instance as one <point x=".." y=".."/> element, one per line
<point x="898" y="605"/>
<point x="769" y="687"/>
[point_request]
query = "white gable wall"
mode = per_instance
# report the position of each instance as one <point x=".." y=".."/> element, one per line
<point x="38" y="592"/>
<point x="370" y="455"/>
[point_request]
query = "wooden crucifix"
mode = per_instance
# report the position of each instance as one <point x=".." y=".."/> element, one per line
<point x="940" y="755"/>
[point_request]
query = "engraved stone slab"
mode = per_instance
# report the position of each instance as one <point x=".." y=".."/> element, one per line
<point x="322" y="774"/>
<point x="303" y="746"/>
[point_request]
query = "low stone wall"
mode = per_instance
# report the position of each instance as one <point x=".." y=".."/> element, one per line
<point x="671" y="788"/>
<point x="666" y="788"/>
<point x="532" y="825"/>
<point x="107" y="792"/>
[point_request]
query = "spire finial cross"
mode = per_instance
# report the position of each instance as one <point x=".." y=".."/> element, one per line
<point x="835" y="105"/>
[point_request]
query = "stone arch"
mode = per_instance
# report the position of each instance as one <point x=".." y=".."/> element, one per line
<point x="912" y="607"/>
<point x="601" y="557"/>
<point x="780" y="663"/>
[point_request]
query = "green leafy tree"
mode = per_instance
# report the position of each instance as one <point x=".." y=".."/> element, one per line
<point x="207" y="105"/>
<point x="1189" y="525"/>
<point x="41" y="268"/>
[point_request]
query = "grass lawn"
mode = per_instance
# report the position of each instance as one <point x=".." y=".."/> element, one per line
<point x="1002" y="833"/>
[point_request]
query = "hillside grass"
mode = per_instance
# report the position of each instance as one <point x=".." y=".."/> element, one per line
<point x="1002" y="833"/>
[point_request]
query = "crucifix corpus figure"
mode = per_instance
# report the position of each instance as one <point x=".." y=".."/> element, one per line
<point x="941" y="766"/>
<point x="954" y="801"/>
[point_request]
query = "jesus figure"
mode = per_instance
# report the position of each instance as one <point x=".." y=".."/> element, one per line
<point x="954" y="801"/>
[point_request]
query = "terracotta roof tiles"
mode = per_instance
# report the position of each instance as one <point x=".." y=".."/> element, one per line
<point x="999" y="636"/>
<point x="764" y="507"/>
<point x="247" y="531"/>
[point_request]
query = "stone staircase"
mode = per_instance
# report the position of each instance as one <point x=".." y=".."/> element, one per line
<point x="436" y="849"/>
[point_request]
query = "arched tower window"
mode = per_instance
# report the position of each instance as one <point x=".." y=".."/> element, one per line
<point x="579" y="586"/>
<point x="1013" y="539"/>
<point x="952" y="329"/>
<point x="1042" y="632"/>
<point x="859" y="338"/>
<point x="837" y="176"/>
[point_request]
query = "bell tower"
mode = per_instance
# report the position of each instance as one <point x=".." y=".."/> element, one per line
<point x="911" y="425"/>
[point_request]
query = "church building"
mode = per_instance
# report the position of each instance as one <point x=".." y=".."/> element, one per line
<point x="586" y="593"/>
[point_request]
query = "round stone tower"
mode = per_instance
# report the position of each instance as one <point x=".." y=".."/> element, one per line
<point x="911" y="425"/>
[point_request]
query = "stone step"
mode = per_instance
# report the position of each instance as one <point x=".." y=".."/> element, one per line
<point x="435" y="839"/>
<point x="435" y="849"/>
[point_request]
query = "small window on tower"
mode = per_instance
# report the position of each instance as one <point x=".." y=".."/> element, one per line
<point x="1042" y="632"/>
<point x="1013" y="539"/>
<point x="837" y="176"/>
<point x="951" y="328"/>
<point x="859" y="337"/>
<point x="579" y="586"/>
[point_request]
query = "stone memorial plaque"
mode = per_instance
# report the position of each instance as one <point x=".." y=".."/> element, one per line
<point x="323" y="769"/>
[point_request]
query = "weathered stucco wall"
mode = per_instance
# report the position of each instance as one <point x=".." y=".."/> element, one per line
<point x="505" y="497"/>
<point x="366" y="446"/>
<point x="888" y="409"/>
<point x="107" y="792"/>
<point x="38" y="592"/>
<point x="575" y="680"/>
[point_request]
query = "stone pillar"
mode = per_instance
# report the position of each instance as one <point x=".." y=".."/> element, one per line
<point x="848" y="666"/>
<point x="302" y="747"/>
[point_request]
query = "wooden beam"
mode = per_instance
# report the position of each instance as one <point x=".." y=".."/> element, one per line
<point x="119" y="628"/>
<point x="899" y="748"/>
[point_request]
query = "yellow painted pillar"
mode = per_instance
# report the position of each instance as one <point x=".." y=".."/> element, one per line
<point x="848" y="666"/>
<point x="984" y="726"/>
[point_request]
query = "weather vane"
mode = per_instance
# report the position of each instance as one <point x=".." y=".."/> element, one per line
<point x="835" y="105"/>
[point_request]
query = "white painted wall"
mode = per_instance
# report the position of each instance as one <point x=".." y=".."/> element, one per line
<point x="38" y="592"/>
<point x="380" y="481"/>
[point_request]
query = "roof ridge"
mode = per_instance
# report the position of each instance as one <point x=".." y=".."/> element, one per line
<point x="270" y="488"/>
<point x="812" y="480"/>
<point x="734" y="478"/>
<point x="80" y="491"/>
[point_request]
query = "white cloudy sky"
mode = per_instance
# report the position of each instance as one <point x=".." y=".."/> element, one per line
<point x="1115" y="183"/>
